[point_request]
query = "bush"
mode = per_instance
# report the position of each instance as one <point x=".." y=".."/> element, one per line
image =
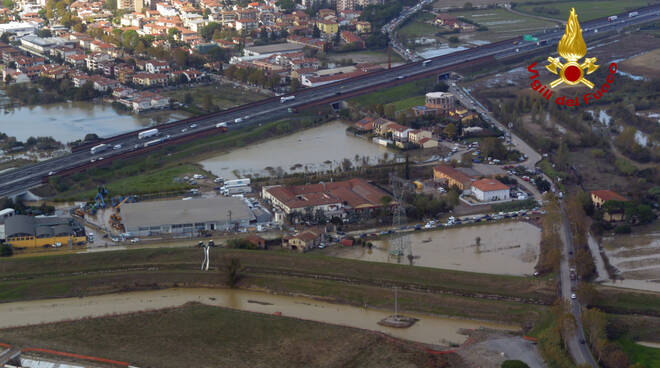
<point x="514" y="364"/>
<point x="623" y="229"/>
<point x="6" y="250"/>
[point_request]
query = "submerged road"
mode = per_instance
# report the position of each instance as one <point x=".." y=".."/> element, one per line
<point x="19" y="180"/>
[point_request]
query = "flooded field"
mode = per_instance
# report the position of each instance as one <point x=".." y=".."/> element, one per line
<point x="637" y="257"/>
<point x="429" y="329"/>
<point x="69" y="121"/>
<point x="506" y="248"/>
<point x="316" y="149"/>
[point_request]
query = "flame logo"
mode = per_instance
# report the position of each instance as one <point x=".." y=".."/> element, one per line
<point x="572" y="46"/>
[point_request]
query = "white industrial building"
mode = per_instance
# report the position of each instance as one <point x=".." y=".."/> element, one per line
<point x="488" y="190"/>
<point x="185" y="216"/>
<point x="19" y="29"/>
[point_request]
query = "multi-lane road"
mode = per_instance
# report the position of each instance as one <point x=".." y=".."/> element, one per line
<point x="21" y="179"/>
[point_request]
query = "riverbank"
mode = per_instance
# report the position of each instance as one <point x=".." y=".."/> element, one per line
<point x="212" y="336"/>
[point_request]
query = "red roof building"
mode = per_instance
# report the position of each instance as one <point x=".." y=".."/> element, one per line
<point x="599" y="197"/>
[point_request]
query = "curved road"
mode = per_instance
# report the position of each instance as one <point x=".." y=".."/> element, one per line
<point x="19" y="180"/>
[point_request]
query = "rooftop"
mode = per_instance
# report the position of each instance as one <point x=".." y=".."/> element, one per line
<point x="183" y="212"/>
<point x="356" y="193"/>
<point x="489" y="185"/>
<point x="608" y="195"/>
<point x="453" y="173"/>
<point x="273" y="48"/>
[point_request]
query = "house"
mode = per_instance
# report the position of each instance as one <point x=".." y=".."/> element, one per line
<point x="381" y="126"/>
<point x="148" y="79"/>
<point x="327" y="27"/>
<point x="77" y="60"/>
<point x="363" y="27"/>
<point x="614" y="210"/>
<point x="156" y="66"/>
<point x="14" y="76"/>
<point x="599" y="197"/>
<point x="452" y="177"/>
<point x="487" y="190"/>
<point x="415" y="136"/>
<point x="305" y="240"/>
<point x="428" y="143"/>
<point x="352" y="39"/>
<point x="365" y="125"/>
<point x="436" y="103"/>
<point x="257" y="241"/>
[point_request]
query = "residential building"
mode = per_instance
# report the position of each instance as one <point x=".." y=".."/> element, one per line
<point x="13" y="76"/>
<point x="352" y="39"/>
<point x="327" y="27"/>
<point x="415" y="136"/>
<point x="23" y="231"/>
<point x="149" y="79"/>
<point x="363" y="27"/>
<point x="452" y="177"/>
<point x="599" y="197"/>
<point x="185" y="217"/>
<point x="345" y="5"/>
<point x="365" y="125"/>
<point x="488" y="190"/>
<point x="257" y="241"/>
<point x="303" y="241"/>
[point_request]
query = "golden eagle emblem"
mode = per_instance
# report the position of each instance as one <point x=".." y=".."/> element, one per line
<point x="572" y="48"/>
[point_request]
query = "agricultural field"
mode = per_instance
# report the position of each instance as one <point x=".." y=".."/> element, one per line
<point x="214" y="336"/>
<point x="587" y="10"/>
<point x="645" y="64"/>
<point x="501" y="24"/>
<point x="365" y="56"/>
<point x="419" y="26"/>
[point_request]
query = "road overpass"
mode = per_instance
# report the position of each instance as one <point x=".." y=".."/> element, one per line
<point x="21" y="179"/>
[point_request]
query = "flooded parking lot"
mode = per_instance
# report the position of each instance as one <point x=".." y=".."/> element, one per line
<point x="429" y="329"/>
<point x="637" y="257"/>
<point x="510" y="248"/>
<point x="316" y="149"/>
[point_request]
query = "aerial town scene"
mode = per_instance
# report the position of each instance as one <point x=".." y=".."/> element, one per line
<point x="330" y="183"/>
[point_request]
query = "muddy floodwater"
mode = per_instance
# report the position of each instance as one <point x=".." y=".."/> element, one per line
<point x="429" y="329"/>
<point x="69" y="121"/>
<point x="510" y="248"/>
<point x="637" y="257"/>
<point x="317" y="149"/>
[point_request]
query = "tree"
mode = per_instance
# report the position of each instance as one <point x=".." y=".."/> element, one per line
<point x="390" y="111"/>
<point x="263" y="35"/>
<point x="207" y="102"/>
<point x="450" y="130"/>
<point x="346" y="164"/>
<point x="514" y="364"/>
<point x="208" y="30"/>
<point x="233" y="272"/>
<point x="187" y="98"/>
<point x="180" y="57"/>
<point x="295" y="85"/>
<point x="110" y="4"/>
<point x="6" y="250"/>
<point x="385" y="200"/>
<point x="173" y="34"/>
<point x="493" y="147"/>
<point x="467" y="6"/>
<point x="130" y="39"/>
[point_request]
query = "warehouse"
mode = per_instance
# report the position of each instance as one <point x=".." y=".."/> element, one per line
<point x="31" y="232"/>
<point x="185" y="217"/>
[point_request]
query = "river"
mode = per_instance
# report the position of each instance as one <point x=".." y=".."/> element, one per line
<point x="429" y="329"/>
<point x="316" y="149"/>
<point x="69" y="121"/>
<point x="509" y="248"/>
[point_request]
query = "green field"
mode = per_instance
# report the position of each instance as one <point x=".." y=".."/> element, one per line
<point x="418" y="27"/>
<point x="394" y="94"/>
<point x="218" y="337"/>
<point x="222" y="95"/>
<point x="409" y="102"/>
<point x="501" y="24"/>
<point x="587" y="10"/>
<point x="646" y="356"/>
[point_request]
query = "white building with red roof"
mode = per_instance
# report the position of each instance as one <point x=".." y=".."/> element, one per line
<point x="488" y="190"/>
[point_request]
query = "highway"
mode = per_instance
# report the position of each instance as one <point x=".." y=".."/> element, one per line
<point x="19" y="180"/>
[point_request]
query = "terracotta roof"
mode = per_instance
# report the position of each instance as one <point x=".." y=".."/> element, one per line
<point x="608" y="195"/>
<point x="453" y="173"/>
<point x="356" y="193"/>
<point x="489" y="185"/>
<point x="307" y="235"/>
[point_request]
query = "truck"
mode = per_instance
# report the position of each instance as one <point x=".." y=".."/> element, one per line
<point x="287" y="98"/>
<point x="243" y="189"/>
<point x="633" y="14"/>
<point x="238" y="120"/>
<point x="98" y="148"/>
<point x="236" y="182"/>
<point x="220" y="125"/>
<point x="154" y="142"/>
<point x="426" y="62"/>
<point x="612" y="18"/>
<point x="148" y="133"/>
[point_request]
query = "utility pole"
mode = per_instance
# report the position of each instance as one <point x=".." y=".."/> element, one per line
<point x="229" y="223"/>
<point x="396" y="302"/>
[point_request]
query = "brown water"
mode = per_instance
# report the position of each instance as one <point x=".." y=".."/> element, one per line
<point x="68" y="121"/>
<point x="316" y="149"/>
<point x="505" y="248"/>
<point x="429" y="329"/>
<point x="637" y="257"/>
